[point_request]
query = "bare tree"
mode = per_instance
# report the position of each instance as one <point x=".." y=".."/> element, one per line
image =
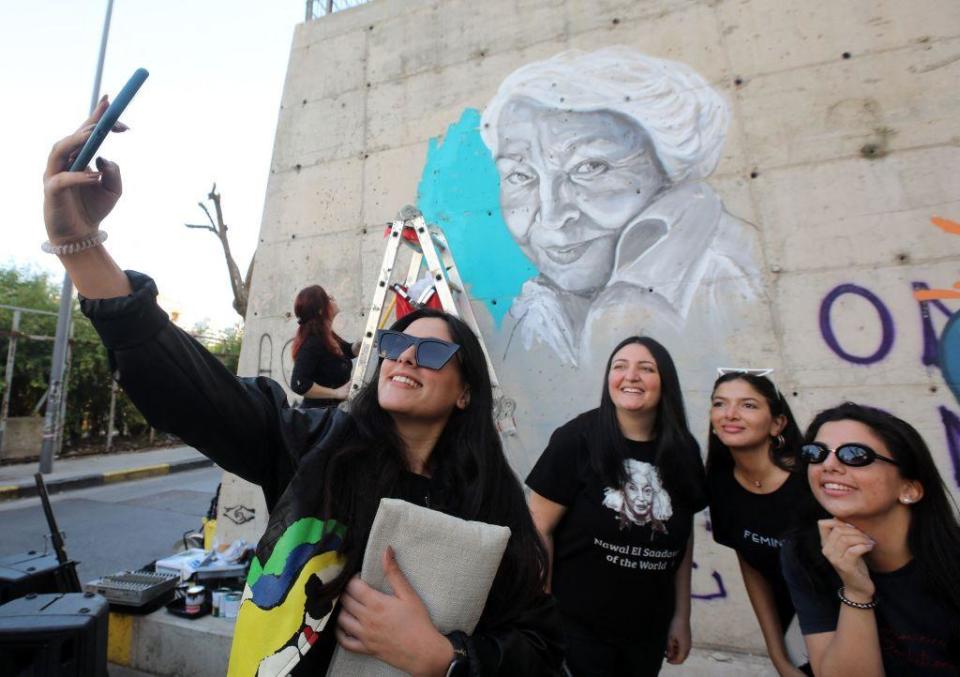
<point x="240" y="285"/>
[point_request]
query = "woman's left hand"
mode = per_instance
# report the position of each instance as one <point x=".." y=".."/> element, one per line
<point x="679" y="640"/>
<point x="395" y="629"/>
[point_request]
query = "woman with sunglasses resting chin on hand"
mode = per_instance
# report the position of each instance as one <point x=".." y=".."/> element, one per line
<point x="421" y="430"/>
<point x="875" y="580"/>
<point x="755" y="488"/>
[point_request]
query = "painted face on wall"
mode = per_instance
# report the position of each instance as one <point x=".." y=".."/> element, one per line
<point x="570" y="182"/>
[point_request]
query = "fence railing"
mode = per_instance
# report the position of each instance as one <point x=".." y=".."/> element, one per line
<point x="319" y="8"/>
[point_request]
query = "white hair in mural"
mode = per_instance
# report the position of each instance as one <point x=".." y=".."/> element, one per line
<point x="602" y="158"/>
<point x="685" y="117"/>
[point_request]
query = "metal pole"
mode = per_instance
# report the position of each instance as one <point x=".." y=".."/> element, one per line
<point x="113" y="413"/>
<point x="8" y="377"/>
<point x="52" y="421"/>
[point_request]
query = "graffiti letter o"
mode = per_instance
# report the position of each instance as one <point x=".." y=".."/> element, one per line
<point x="886" y="324"/>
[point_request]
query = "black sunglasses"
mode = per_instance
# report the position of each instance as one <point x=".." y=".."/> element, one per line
<point x="431" y="353"/>
<point x="853" y="454"/>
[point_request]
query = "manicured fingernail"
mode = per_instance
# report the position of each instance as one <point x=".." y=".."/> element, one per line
<point x="103" y="98"/>
<point x="100" y="163"/>
<point x="120" y="127"/>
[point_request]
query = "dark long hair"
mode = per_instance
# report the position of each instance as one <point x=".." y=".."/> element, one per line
<point x="934" y="534"/>
<point x="783" y="455"/>
<point x="678" y="454"/>
<point x="471" y="477"/>
<point x="312" y="308"/>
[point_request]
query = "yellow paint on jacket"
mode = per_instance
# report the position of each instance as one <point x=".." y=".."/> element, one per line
<point x="259" y="634"/>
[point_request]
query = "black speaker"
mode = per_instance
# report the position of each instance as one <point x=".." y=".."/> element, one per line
<point x="54" y="635"/>
<point x="28" y="572"/>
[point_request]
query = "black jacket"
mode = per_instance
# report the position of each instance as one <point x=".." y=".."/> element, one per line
<point x="246" y="427"/>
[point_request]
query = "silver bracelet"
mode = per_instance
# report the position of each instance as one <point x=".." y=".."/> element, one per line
<point x="94" y="240"/>
<point x="872" y="604"/>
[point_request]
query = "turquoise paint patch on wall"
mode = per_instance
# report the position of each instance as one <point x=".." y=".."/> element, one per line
<point x="460" y="192"/>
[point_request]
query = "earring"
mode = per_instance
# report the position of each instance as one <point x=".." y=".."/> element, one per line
<point x="780" y="442"/>
<point x="906" y="501"/>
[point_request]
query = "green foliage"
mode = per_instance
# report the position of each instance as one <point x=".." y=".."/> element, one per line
<point x="89" y="381"/>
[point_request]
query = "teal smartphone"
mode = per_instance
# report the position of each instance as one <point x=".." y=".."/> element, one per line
<point x="109" y="119"/>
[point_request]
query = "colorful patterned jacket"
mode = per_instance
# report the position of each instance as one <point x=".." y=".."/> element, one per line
<point x="286" y="620"/>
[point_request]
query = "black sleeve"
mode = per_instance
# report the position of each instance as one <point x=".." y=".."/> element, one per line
<point x="309" y="356"/>
<point x="529" y="644"/>
<point x="557" y="474"/>
<point x="816" y="611"/>
<point x="244" y="425"/>
<point x="719" y="509"/>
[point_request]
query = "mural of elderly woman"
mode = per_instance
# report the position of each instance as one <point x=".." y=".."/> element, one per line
<point x="642" y="499"/>
<point x="602" y="158"/>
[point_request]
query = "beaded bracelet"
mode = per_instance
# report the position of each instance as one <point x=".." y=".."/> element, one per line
<point x="872" y="604"/>
<point x="94" y="240"/>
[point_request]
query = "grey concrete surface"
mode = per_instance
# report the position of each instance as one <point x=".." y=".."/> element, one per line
<point x="16" y="480"/>
<point x="114" y="527"/>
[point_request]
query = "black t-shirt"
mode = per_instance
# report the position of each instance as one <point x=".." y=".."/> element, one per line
<point x="754" y="525"/>
<point x="616" y="549"/>
<point x="919" y="633"/>
<point x="316" y="364"/>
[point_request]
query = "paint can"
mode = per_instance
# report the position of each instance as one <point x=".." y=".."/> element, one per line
<point x="217" y="600"/>
<point x="230" y="605"/>
<point x="194" y="599"/>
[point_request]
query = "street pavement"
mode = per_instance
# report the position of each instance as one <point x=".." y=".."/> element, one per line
<point x="114" y="527"/>
<point x="16" y="480"/>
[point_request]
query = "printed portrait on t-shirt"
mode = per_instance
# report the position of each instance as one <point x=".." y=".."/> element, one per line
<point x="641" y="500"/>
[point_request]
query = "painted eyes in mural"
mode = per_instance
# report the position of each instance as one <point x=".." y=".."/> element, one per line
<point x="583" y="171"/>
<point x="589" y="169"/>
<point x="519" y="178"/>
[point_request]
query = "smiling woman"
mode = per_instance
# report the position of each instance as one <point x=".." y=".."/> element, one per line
<point x="613" y="496"/>
<point x="874" y="580"/>
<point x="756" y="489"/>
<point x="422" y="431"/>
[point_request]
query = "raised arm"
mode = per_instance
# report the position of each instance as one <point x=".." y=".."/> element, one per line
<point x="244" y="425"/>
<point x="74" y="205"/>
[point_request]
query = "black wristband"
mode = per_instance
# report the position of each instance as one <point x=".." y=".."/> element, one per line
<point x="460" y="665"/>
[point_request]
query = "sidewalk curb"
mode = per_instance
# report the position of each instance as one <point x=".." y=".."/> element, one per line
<point x="28" y="489"/>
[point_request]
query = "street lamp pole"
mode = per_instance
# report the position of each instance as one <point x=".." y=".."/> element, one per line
<point x="53" y="419"/>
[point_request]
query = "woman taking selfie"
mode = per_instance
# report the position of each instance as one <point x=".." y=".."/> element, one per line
<point x="613" y="496"/>
<point x="875" y="580"/>
<point x="422" y="430"/>
<point x="322" y="361"/>
<point x="755" y="490"/>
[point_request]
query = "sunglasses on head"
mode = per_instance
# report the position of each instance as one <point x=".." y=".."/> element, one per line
<point x="431" y="353"/>
<point x="723" y="371"/>
<point x="854" y="454"/>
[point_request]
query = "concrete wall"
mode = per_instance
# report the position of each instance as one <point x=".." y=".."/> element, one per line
<point x="22" y="438"/>
<point x="821" y="139"/>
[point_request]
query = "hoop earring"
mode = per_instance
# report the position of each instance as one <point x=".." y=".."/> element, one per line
<point x="780" y="442"/>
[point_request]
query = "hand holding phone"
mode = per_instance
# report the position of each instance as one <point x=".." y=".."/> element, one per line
<point x="109" y="119"/>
